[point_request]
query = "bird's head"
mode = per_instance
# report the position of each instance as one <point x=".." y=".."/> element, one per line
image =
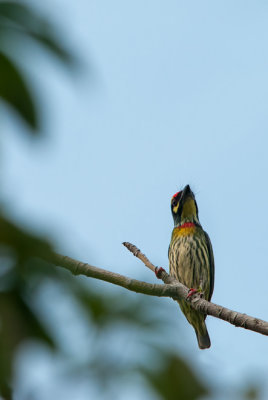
<point x="183" y="207"/>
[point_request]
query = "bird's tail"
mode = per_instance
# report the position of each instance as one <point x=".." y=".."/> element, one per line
<point x="203" y="337"/>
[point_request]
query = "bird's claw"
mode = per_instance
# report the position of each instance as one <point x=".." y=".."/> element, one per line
<point x="158" y="272"/>
<point x="191" y="293"/>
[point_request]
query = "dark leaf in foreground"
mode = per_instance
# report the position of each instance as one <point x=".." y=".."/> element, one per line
<point x="22" y="19"/>
<point x="23" y="244"/>
<point x="18" y="323"/>
<point x="175" y="380"/>
<point x="109" y="309"/>
<point x="14" y="91"/>
<point x="252" y="393"/>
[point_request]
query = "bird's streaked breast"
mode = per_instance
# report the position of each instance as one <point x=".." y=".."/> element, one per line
<point x="189" y="258"/>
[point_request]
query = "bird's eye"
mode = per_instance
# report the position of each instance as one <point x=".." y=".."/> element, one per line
<point x="175" y="199"/>
<point x="174" y="203"/>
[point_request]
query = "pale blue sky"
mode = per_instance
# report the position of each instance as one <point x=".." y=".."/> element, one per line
<point x="177" y="95"/>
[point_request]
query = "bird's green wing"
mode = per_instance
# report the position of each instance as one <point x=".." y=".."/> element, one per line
<point x="211" y="265"/>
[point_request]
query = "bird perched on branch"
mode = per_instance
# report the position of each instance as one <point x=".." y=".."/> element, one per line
<point x="191" y="259"/>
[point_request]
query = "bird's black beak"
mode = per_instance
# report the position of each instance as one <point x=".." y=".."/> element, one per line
<point x="186" y="193"/>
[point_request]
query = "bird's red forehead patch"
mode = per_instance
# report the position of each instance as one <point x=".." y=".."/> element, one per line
<point x="176" y="194"/>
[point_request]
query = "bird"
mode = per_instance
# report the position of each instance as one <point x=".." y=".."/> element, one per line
<point x="191" y="259"/>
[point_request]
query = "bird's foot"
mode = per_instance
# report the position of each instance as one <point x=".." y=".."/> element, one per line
<point x="193" y="291"/>
<point x="158" y="272"/>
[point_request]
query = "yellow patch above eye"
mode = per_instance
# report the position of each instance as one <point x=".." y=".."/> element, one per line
<point x="189" y="208"/>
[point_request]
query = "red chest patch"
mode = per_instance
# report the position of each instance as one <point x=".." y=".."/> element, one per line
<point x="187" y="225"/>
<point x="184" y="230"/>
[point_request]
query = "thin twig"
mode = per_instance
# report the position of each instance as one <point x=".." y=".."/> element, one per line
<point x="162" y="274"/>
<point x="137" y="253"/>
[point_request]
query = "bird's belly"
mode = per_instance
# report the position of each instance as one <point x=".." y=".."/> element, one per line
<point x="189" y="263"/>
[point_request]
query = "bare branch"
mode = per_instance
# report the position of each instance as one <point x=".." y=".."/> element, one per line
<point x="171" y="288"/>
<point x="80" y="268"/>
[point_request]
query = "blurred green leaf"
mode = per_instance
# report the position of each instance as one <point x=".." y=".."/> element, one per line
<point x="14" y="90"/>
<point x="106" y="309"/>
<point x="23" y="244"/>
<point x="50" y="42"/>
<point x="17" y="12"/>
<point x="18" y="323"/>
<point x="25" y="20"/>
<point x="252" y="393"/>
<point x="22" y="20"/>
<point x="175" y="380"/>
